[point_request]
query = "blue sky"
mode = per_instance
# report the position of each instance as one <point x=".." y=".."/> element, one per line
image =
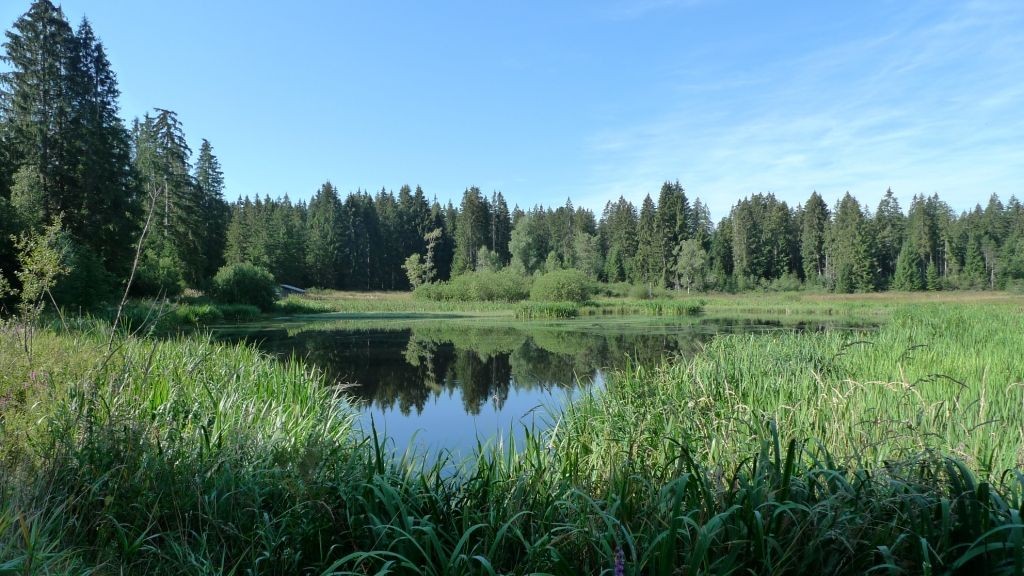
<point x="588" y="100"/>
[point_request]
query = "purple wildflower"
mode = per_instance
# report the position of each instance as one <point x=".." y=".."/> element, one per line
<point x="620" y="561"/>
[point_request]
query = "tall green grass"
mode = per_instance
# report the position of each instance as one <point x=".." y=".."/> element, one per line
<point x="538" y="310"/>
<point x="896" y="451"/>
<point x="644" y="308"/>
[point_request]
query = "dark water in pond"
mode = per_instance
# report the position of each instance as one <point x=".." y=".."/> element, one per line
<point x="445" y="383"/>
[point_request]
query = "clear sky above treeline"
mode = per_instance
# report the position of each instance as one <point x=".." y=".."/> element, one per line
<point x="587" y="99"/>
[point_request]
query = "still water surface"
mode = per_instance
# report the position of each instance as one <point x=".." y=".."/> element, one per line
<point x="449" y="382"/>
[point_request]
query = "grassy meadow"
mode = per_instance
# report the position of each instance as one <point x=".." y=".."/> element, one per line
<point x="892" y="450"/>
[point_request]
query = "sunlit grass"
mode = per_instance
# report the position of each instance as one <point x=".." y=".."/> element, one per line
<point x="891" y="451"/>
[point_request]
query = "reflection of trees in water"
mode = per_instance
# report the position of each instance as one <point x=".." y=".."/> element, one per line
<point x="405" y="368"/>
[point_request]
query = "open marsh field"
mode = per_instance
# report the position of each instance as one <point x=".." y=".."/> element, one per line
<point x="896" y="447"/>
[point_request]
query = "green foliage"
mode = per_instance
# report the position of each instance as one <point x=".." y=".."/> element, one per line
<point x="764" y="239"/>
<point x="213" y="211"/>
<point x="850" y="249"/>
<point x="417" y="271"/>
<point x="932" y="280"/>
<point x="164" y="317"/>
<point x="487" y="260"/>
<point x="162" y="162"/>
<point x="196" y="314"/>
<point x="42" y="260"/>
<point x="529" y="244"/>
<point x="87" y="284"/>
<point x="641" y="292"/>
<point x="788" y="282"/>
<point x="471" y="231"/>
<point x="158" y="276"/>
<point x="907" y="276"/>
<point x="649" y="266"/>
<point x="244" y="284"/>
<point x="505" y="285"/>
<point x="537" y="310"/>
<point x="28" y="197"/>
<point x="691" y="265"/>
<point x="568" y="285"/>
<point x="814" y="224"/>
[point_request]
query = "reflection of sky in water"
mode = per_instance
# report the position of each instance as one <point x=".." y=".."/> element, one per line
<point x="444" y="424"/>
<point x="448" y="384"/>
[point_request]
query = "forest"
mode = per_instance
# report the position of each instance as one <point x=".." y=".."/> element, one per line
<point x="67" y="157"/>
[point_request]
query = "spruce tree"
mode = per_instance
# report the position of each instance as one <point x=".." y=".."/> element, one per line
<point x="471" y="230"/>
<point x="501" y="228"/>
<point x="932" y="281"/>
<point x="647" y="265"/>
<point x="324" y="234"/>
<point x="59" y="118"/>
<point x="889" y="226"/>
<point x="815" y="222"/>
<point x="618" y="230"/>
<point x="39" y="101"/>
<point x="848" y="248"/>
<point x="213" y="210"/>
<point x="907" y="275"/>
<point x="161" y="158"/>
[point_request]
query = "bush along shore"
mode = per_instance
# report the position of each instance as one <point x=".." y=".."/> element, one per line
<point x="894" y="452"/>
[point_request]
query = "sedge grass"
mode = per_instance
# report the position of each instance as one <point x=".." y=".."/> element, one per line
<point x="894" y="451"/>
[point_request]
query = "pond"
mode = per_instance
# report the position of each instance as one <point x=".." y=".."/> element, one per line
<point x="450" y="382"/>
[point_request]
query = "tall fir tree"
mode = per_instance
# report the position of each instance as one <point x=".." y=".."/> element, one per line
<point x="673" y="226"/>
<point x="813" y="228"/>
<point x="324" y="237"/>
<point x="58" y="106"/>
<point x="907" y="274"/>
<point x="850" y="256"/>
<point x="889" y="230"/>
<point x="213" y="210"/>
<point x="501" y="228"/>
<point x="162" y="162"/>
<point x="471" y="230"/>
<point x="648" y="263"/>
<point x="617" y="230"/>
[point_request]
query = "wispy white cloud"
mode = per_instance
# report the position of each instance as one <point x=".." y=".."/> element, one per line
<point x="937" y="107"/>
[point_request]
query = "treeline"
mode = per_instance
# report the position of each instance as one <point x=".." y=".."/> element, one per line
<point x="364" y="241"/>
<point x="68" y="157"/>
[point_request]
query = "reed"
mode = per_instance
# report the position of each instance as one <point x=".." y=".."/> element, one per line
<point x="892" y="451"/>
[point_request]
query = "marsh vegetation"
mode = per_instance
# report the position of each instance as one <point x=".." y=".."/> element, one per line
<point x="895" y="447"/>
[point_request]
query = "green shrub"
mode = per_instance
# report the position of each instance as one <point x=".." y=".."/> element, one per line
<point x="482" y="285"/>
<point x="87" y="284"/>
<point x="158" y="276"/>
<point x="613" y="289"/>
<point x="647" y="292"/>
<point x="245" y="284"/>
<point x="197" y="315"/>
<point x="788" y="282"/>
<point x="568" y="285"/>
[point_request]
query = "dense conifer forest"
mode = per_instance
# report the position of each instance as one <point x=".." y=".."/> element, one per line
<point x="67" y="156"/>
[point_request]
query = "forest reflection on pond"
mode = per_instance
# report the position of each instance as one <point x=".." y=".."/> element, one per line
<point x="446" y="383"/>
